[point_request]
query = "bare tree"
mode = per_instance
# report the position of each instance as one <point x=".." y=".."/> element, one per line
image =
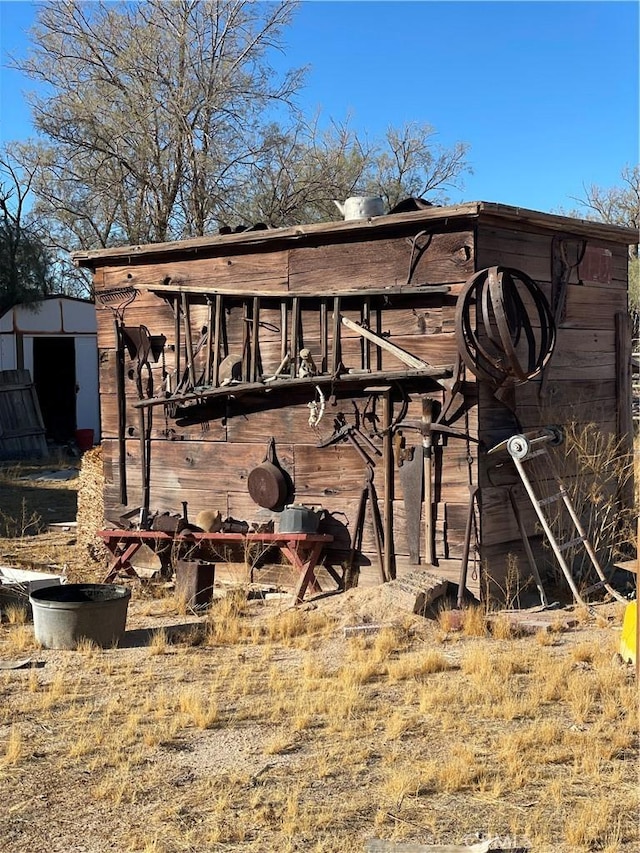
<point x="617" y="205"/>
<point x="151" y="110"/>
<point x="304" y="168"/>
<point x="409" y="163"/>
<point x="161" y="120"/>
<point x="25" y="264"/>
<point x="299" y="172"/>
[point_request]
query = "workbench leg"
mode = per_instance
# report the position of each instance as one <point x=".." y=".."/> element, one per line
<point x="121" y="563"/>
<point x="306" y="568"/>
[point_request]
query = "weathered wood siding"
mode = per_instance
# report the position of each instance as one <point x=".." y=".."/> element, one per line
<point x="579" y="385"/>
<point x="204" y="454"/>
<point x="205" y="457"/>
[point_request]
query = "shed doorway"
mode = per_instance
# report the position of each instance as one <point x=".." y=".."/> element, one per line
<point x="54" y="375"/>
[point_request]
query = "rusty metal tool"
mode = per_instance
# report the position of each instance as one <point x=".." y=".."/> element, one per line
<point x="368" y="496"/>
<point x="217" y="335"/>
<point x="188" y="340"/>
<point x="427" y="427"/>
<point x="410" y="470"/>
<point x="117" y="300"/>
<point x="348" y="432"/>
<point x="464" y="563"/>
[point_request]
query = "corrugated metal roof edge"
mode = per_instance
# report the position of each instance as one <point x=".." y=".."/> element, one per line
<point x="477" y="209"/>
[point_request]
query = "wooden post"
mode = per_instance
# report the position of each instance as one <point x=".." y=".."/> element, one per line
<point x="427" y="449"/>
<point x="210" y="335"/>
<point x="295" y="335"/>
<point x="255" y="329"/>
<point x="246" y="338"/>
<point x="336" y="355"/>
<point x="176" y="335"/>
<point x="284" y="330"/>
<point x="624" y="415"/>
<point x="216" y="340"/>
<point x="366" y="344"/>
<point x="324" y="336"/>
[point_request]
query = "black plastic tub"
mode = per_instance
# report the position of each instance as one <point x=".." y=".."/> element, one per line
<point x="65" y="615"/>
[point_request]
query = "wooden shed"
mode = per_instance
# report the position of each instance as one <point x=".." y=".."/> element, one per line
<point x="384" y="356"/>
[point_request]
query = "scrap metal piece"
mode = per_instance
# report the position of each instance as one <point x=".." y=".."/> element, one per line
<point x="505" y="329"/>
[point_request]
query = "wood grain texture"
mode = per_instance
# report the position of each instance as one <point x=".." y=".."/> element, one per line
<point x="380" y="263"/>
<point x="203" y="454"/>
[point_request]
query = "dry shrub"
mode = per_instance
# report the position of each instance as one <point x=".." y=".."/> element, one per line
<point x="474" y="622"/>
<point x="503" y="628"/>
<point x="90" y="515"/>
<point x="596" y="468"/>
<point x="14" y="748"/>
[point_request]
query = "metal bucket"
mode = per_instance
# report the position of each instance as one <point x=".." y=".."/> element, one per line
<point x="84" y="439"/>
<point x="65" y="615"/>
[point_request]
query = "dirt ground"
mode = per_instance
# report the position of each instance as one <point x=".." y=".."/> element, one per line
<point x="258" y="726"/>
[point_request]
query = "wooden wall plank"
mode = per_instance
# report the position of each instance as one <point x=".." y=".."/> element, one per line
<point x="380" y="263"/>
<point x="531" y="253"/>
<point x="265" y="269"/>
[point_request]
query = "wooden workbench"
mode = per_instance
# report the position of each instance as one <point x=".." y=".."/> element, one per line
<point x="302" y="550"/>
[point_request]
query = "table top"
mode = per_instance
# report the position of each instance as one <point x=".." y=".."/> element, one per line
<point x="215" y="537"/>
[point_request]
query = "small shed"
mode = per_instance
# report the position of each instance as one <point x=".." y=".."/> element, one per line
<point x="376" y="362"/>
<point x="55" y="340"/>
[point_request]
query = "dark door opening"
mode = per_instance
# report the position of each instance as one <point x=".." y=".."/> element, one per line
<point x="54" y="375"/>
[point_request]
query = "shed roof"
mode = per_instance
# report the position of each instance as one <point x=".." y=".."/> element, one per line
<point x="478" y="210"/>
<point x="56" y="314"/>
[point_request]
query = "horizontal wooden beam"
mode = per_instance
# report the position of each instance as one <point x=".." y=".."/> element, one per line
<point x="393" y="290"/>
<point x="435" y="372"/>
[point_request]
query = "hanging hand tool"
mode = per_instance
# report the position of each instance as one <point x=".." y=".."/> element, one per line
<point x="117" y="299"/>
<point x="369" y="496"/>
<point x="188" y="341"/>
<point x="470" y="526"/>
<point x="410" y="469"/>
<point x="426" y="426"/>
<point x="344" y="430"/>
<point x="429" y="406"/>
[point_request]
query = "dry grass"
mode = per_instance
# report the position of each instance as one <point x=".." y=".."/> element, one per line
<point x="262" y="729"/>
<point x="277" y="716"/>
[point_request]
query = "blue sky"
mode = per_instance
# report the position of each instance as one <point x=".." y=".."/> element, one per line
<point x="545" y="93"/>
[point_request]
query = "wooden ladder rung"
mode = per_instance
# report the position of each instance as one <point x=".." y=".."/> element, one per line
<point x="550" y="500"/>
<point x="533" y="453"/>
<point x="572" y="542"/>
